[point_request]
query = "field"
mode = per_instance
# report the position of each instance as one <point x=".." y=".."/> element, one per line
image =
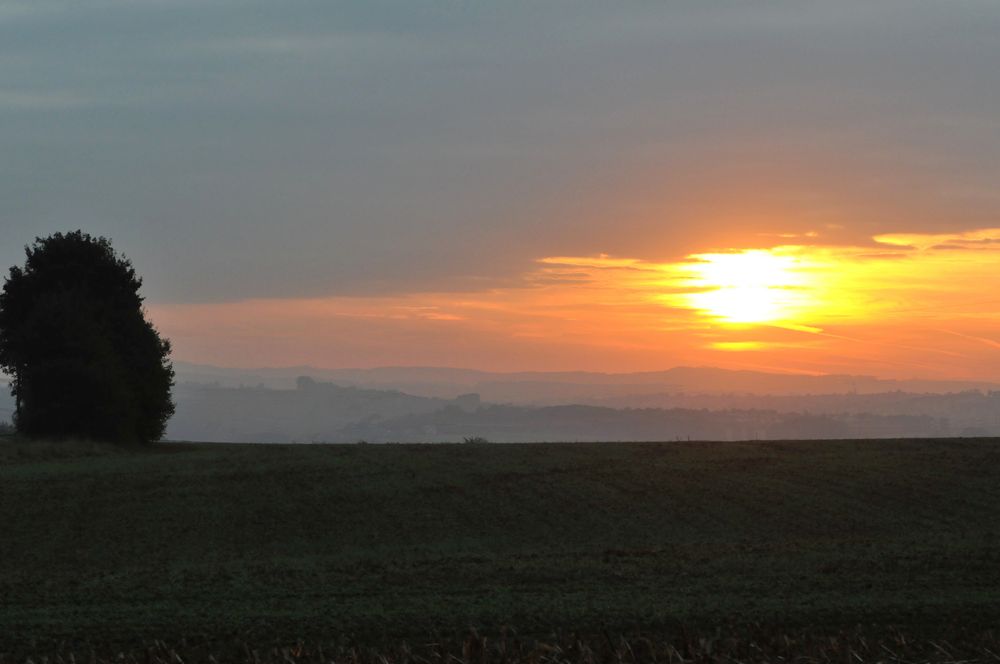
<point x="390" y="543"/>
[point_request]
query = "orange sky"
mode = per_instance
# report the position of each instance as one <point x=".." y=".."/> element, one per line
<point x="904" y="305"/>
<point x="342" y="185"/>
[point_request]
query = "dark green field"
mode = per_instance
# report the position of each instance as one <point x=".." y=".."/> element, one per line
<point x="401" y="541"/>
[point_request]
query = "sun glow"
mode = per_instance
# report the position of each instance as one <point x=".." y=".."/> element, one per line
<point x="903" y="304"/>
<point x="748" y="287"/>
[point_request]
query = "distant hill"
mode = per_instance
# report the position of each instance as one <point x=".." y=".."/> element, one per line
<point x="594" y="424"/>
<point x="271" y="405"/>
<point x="552" y="388"/>
<point x="425" y="404"/>
<point x="312" y="411"/>
<point x="326" y="412"/>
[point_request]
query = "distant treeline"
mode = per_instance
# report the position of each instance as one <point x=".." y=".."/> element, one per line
<point x="595" y="423"/>
<point x="326" y="412"/>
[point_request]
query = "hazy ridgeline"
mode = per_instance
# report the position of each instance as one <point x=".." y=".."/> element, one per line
<point x="426" y="405"/>
<point x="448" y="405"/>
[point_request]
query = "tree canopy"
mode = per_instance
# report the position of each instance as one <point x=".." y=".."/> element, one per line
<point x="74" y="336"/>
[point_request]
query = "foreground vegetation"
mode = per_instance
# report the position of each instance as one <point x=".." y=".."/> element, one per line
<point x="371" y="545"/>
<point x="754" y="645"/>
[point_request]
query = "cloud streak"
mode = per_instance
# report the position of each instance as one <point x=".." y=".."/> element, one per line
<point x="820" y="309"/>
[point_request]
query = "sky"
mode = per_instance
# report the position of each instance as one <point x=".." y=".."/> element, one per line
<point x="791" y="186"/>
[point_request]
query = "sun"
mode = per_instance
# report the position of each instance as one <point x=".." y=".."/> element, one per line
<point x="748" y="287"/>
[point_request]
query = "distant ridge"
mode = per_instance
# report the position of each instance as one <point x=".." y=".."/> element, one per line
<point x="565" y="386"/>
<point x="317" y="411"/>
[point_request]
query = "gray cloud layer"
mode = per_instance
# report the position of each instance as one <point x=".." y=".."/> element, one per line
<point x="246" y="149"/>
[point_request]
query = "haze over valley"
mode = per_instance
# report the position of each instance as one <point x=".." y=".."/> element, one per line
<point x="427" y="404"/>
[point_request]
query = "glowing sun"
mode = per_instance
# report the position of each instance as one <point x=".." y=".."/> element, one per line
<point x="749" y="287"/>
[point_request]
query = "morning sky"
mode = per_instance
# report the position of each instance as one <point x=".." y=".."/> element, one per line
<point x="796" y="186"/>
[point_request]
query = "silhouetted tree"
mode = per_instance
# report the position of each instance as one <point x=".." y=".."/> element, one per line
<point x="73" y="334"/>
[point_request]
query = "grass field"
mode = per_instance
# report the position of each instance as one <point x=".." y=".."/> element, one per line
<point x="384" y="543"/>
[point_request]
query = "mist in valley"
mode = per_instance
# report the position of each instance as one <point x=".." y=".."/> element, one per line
<point x="428" y="404"/>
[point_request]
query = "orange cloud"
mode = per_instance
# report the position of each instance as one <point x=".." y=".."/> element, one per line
<point x="915" y="311"/>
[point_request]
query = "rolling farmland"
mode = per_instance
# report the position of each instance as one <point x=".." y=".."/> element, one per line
<point x="393" y="542"/>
